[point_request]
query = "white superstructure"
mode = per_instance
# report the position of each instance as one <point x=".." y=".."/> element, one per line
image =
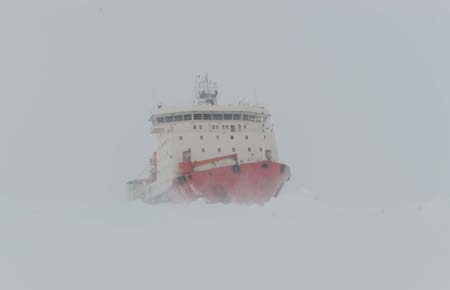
<point x="207" y="130"/>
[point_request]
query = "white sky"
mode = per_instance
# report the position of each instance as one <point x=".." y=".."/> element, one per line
<point x="359" y="89"/>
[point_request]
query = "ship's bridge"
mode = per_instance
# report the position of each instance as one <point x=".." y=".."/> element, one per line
<point x="163" y="117"/>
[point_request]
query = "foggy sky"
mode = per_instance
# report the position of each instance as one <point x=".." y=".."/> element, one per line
<point x="358" y="89"/>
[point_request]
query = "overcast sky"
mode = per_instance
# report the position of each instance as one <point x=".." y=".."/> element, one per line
<point x="359" y="90"/>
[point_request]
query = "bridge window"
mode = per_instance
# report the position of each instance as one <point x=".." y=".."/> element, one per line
<point x="160" y="119"/>
<point x="187" y="117"/>
<point x="246" y="117"/>
<point x="206" y="116"/>
<point x="228" y="116"/>
<point x="217" y="116"/>
<point x="197" y="116"/>
<point x="168" y="119"/>
<point x="236" y="116"/>
<point x="178" y="118"/>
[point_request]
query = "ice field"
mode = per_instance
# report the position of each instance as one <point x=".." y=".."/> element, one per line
<point x="294" y="242"/>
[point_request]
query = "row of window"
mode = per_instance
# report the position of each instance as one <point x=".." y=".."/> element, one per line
<point x="232" y="127"/>
<point x="233" y="149"/>
<point x="226" y="127"/>
<point x="217" y="137"/>
<point x="252" y="117"/>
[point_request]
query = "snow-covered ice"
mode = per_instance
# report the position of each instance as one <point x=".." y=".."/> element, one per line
<point x="294" y="242"/>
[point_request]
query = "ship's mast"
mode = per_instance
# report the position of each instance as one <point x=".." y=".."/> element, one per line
<point x="205" y="91"/>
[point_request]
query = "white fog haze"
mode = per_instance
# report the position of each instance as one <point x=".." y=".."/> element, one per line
<point x="359" y="95"/>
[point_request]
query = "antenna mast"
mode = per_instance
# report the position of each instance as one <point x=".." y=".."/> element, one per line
<point x="205" y="90"/>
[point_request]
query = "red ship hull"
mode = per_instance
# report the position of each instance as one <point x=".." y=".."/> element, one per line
<point x="249" y="183"/>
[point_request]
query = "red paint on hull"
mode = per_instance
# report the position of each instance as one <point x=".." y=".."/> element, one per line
<point x="246" y="184"/>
